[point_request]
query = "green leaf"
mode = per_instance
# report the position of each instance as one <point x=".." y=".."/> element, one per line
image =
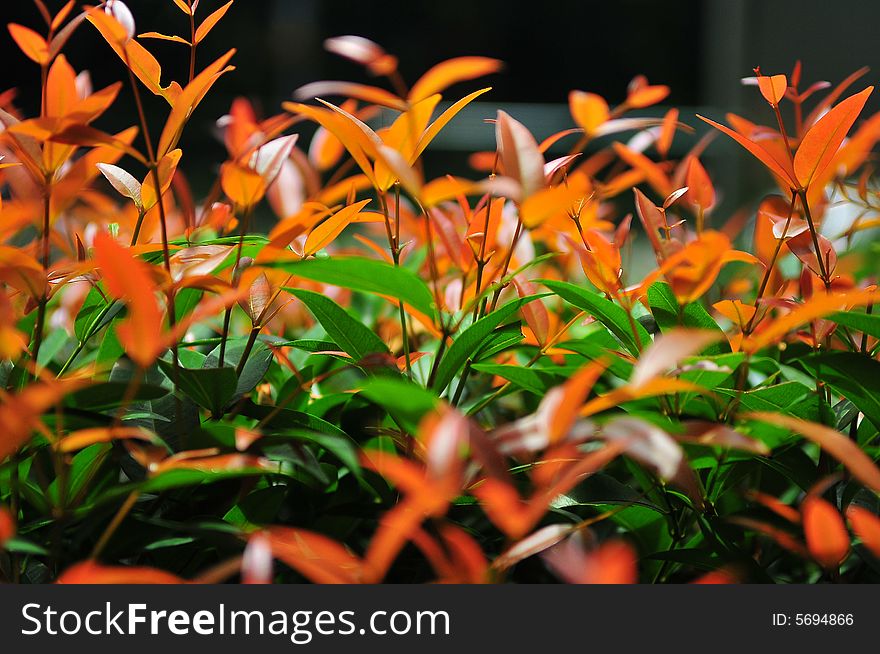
<point x="471" y="339"/>
<point x="108" y="395"/>
<point x="255" y="368"/>
<point x="342" y="447"/>
<point x="605" y="311"/>
<point x="94" y="314"/>
<point x="789" y="397"/>
<point x="665" y="308"/>
<point x="210" y="388"/>
<point x="404" y="400"/>
<point x="600" y="345"/>
<point x="499" y="340"/>
<point x="855" y="376"/>
<point x="288" y="419"/>
<point x="350" y="335"/>
<point x="19" y="545"/>
<point x="710" y="378"/>
<point x="169" y="542"/>
<point x="868" y="323"/>
<point x="532" y="380"/>
<point x="309" y="345"/>
<point x="366" y="276"/>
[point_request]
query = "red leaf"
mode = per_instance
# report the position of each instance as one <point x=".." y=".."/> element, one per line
<point x="835" y="443"/>
<point x="781" y="169"/>
<point x="866" y="525"/>
<point x="827" y="539"/>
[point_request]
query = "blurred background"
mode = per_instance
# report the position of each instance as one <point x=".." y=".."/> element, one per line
<point x="701" y="48"/>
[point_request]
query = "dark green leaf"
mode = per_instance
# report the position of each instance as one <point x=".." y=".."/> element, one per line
<point x="470" y="340"/>
<point x="350" y="335"/>
<point x="532" y="380"/>
<point x="605" y="311"/>
<point x="210" y="388"/>
<point x="855" y="376"/>
<point x="367" y="276"/>
<point x="669" y="314"/>
<point x="406" y="401"/>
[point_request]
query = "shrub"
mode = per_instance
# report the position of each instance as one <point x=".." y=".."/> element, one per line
<point x="415" y="378"/>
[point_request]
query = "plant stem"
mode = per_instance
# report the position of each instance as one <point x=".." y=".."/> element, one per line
<point x="227" y="316"/>
<point x="40" y="324"/>
<point x="507" y="259"/>
<point x="823" y="270"/>
<point x="252" y="339"/>
<point x="765" y="280"/>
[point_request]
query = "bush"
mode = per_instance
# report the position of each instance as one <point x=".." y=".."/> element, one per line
<point x="411" y="378"/>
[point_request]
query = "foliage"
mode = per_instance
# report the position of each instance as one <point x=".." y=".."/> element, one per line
<point x="415" y="378"/>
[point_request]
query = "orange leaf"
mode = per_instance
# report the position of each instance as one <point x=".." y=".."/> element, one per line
<point x="441" y="122"/>
<point x="613" y="562"/>
<point x="364" y="52"/>
<point x="143" y="64"/>
<point x="358" y="143"/>
<point x="822" y="141"/>
<point x="62" y="14"/>
<point x="327" y="231"/>
<point x="827" y="538"/>
<point x="243" y="185"/>
<point x="187" y="101"/>
<point x="318" y="558"/>
<point x="668" y="349"/>
<point x="20" y="413"/>
<point x="520" y="155"/>
<point x="781" y="169"/>
<point x="32" y="44"/>
<point x="818" y="306"/>
<point x="692" y="270"/>
<point x="209" y="23"/>
<point x="588" y="110"/>
<point x="163" y="37"/>
<point x="83" y="438"/>
<point x="561" y="405"/>
<point x="641" y="94"/>
<point x="773" y="504"/>
<point x="546" y="203"/>
<point x="700" y="192"/>
<point x="866" y="525"/>
<point x="129" y="279"/>
<point x="22" y="272"/>
<point x="772" y="88"/>
<point x="167" y="168"/>
<point x="7" y="525"/>
<point x="90" y="572"/>
<point x="655" y="175"/>
<point x="363" y="92"/>
<point x="667" y="132"/>
<point x="447" y="73"/>
<point x="833" y="442"/>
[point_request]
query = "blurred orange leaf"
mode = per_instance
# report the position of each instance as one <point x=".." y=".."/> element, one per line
<point x="826" y="535"/>
<point x="32" y="44"/>
<point x="450" y="72"/>
<point x="832" y="441"/>
<point x="866" y="526"/>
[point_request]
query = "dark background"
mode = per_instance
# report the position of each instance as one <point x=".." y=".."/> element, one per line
<point x="701" y="48"/>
